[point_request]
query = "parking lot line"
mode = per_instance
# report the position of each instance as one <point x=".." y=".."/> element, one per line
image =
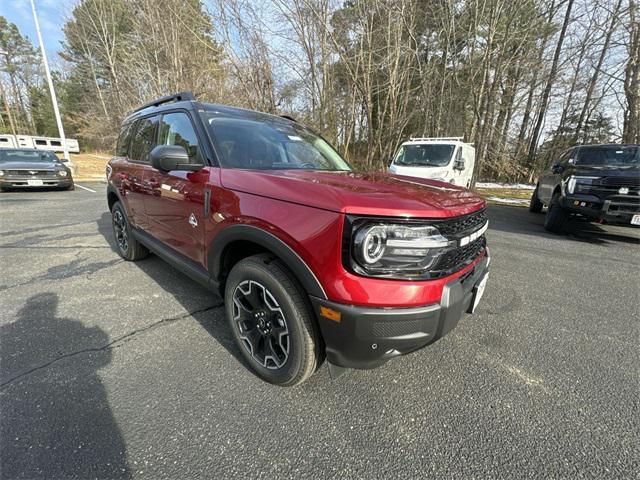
<point x="85" y="188"/>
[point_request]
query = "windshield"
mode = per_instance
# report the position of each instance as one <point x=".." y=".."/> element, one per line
<point x="431" y="155"/>
<point x="608" y="156"/>
<point x="27" y="156"/>
<point x="271" y="145"/>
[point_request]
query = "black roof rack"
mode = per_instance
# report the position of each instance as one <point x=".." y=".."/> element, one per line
<point x="176" y="97"/>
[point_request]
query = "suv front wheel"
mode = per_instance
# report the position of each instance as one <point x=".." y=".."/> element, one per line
<point x="272" y="321"/>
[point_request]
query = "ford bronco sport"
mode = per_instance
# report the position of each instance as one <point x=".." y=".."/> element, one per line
<point x="313" y="260"/>
<point x="596" y="182"/>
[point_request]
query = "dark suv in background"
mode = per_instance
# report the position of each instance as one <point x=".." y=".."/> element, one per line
<point x="597" y="182"/>
<point x="312" y="259"/>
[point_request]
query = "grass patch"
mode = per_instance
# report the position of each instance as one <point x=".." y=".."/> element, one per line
<point x="501" y="196"/>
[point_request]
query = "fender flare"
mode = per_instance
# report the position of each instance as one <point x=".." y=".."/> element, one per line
<point x="257" y="235"/>
<point x="114" y="190"/>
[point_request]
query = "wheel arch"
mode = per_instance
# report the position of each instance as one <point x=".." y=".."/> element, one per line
<point x="236" y="242"/>
<point x="112" y="196"/>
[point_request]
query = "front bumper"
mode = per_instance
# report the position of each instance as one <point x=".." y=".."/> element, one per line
<point x="57" y="182"/>
<point x="618" y="209"/>
<point x="362" y="337"/>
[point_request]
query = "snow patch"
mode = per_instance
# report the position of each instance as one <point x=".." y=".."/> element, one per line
<point x="513" y="186"/>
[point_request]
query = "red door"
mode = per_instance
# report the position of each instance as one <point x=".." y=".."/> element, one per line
<point x="175" y="204"/>
<point x="175" y="210"/>
<point x="133" y="169"/>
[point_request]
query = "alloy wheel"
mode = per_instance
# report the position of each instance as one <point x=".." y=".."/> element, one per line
<point x="120" y="230"/>
<point x="261" y="324"/>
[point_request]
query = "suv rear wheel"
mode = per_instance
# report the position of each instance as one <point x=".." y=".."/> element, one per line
<point x="535" y="205"/>
<point x="557" y="217"/>
<point x="128" y="247"/>
<point x="272" y="321"/>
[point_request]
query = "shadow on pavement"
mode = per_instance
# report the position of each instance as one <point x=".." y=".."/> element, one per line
<point x="520" y="220"/>
<point x="53" y="425"/>
<point x="192" y="296"/>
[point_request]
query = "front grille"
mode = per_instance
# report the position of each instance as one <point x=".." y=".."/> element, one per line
<point x="459" y="257"/>
<point x="396" y="328"/>
<point x="620" y="181"/>
<point x="31" y="173"/>
<point x="459" y="226"/>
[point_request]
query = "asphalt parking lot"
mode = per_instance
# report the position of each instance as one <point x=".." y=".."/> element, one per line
<point x="116" y="370"/>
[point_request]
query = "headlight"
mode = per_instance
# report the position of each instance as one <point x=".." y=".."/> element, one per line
<point x="1" y="173"/>
<point x="62" y="173"/>
<point x="578" y="180"/>
<point x="387" y="249"/>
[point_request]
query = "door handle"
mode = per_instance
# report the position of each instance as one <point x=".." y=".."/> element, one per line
<point x="207" y="200"/>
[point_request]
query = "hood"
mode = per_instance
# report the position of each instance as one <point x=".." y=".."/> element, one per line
<point x="380" y="194"/>
<point x="17" y="165"/>
<point x="632" y="171"/>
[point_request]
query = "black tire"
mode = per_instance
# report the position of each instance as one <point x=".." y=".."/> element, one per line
<point x="535" y="205"/>
<point x="126" y="245"/>
<point x="71" y="187"/>
<point x="272" y="321"/>
<point x="557" y="217"/>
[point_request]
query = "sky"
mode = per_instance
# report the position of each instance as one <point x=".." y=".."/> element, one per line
<point x="51" y="14"/>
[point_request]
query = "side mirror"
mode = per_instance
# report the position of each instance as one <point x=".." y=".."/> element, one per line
<point x="458" y="163"/>
<point x="172" y="157"/>
<point x="557" y="168"/>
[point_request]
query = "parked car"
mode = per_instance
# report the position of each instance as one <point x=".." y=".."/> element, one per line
<point x="311" y="258"/>
<point x="447" y="159"/>
<point x="596" y="182"/>
<point x="28" y="167"/>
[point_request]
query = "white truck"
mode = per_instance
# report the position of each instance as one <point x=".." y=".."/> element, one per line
<point x="448" y="159"/>
<point x="50" y="144"/>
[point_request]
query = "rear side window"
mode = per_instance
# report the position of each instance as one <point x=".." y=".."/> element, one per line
<point x="144" y="139"/>
<point x="176" y="129"/>
<point x="41" y="142"/>
<point x="123" y="139"/>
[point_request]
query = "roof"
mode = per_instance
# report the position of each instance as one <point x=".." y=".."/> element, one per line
<point x="184" y="100"/>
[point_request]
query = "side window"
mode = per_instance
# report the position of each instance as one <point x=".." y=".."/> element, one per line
<point x="144" y="139"/>
<point x="176" y="129"/>
<point x="399" y="156"/>
<point x="123" y="139"/>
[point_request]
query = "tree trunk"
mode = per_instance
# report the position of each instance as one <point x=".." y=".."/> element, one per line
<point x="533" y="144"/>
<point x="631" y="132"/>
<point x="596" y="72"/>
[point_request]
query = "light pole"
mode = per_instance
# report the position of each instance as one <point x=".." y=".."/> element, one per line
<point x="52" y="91"/>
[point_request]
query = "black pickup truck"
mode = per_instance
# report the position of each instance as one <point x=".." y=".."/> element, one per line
<point x="598" y="182"/>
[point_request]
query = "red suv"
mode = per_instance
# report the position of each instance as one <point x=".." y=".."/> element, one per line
<point x="313" y="259"/>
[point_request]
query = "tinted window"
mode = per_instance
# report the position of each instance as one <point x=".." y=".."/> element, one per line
<point x="123" y="139"/>
<point x="56" y="143"/>
<point x="430" y="155"/>
<point x="41" y="142"/>
<point x="608" y="155"/>
<point x="144" y="139"/>
<point x="276" y="145"/>
<point x="176" y="129"/>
